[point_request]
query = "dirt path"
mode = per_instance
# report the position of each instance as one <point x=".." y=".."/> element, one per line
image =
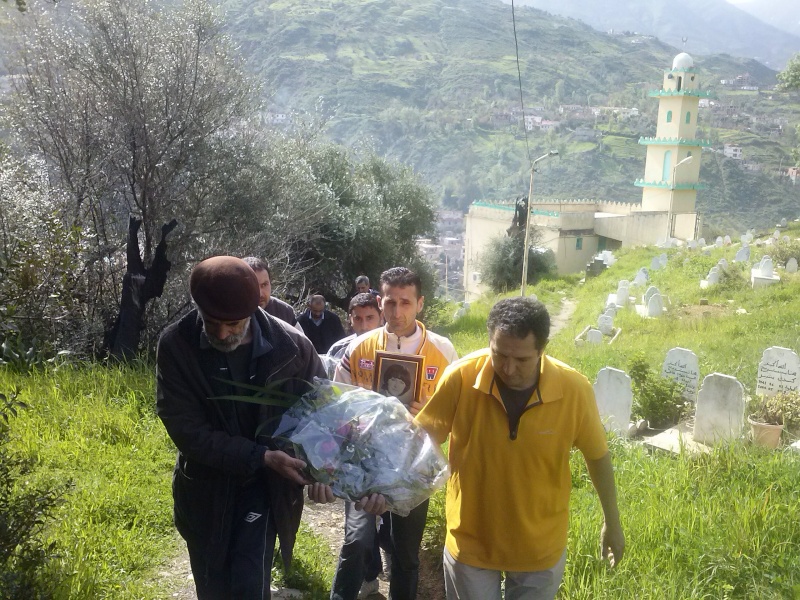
<point x="327" y="521"/>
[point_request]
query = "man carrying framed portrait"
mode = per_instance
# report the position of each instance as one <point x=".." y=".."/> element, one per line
<point x="402" y="353"/>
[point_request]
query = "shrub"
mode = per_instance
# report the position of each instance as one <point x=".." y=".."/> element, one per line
<point x="500" y="263"/>
<point x="782" y="408"/>
<point x="655" y="398"/>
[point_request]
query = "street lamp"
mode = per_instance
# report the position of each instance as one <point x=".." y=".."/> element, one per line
<point x="672" y="196"/>
<point x="528" y="223"/>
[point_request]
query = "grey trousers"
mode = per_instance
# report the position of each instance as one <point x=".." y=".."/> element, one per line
<point x="463" y="582"/>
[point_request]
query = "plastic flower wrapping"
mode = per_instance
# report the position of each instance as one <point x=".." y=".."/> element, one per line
<point x="360" y="442"/>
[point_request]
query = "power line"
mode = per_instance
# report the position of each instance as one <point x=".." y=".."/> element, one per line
<point x="519" y="81"/>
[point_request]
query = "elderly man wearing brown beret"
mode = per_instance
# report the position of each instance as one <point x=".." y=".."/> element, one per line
<point x="234" y="492"/>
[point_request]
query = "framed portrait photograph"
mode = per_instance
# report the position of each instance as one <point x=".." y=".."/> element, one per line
<point x="398" y="375"/>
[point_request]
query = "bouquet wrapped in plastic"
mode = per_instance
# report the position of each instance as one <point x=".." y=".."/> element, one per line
<point x="360" y="442"/>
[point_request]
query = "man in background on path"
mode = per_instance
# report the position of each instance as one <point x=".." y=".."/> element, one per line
<point x="234" y="493"/>
<point x="401" y="301"/>
<point x="322" y="326"/>
<point x="513" y="415"/>
<point x="362" y="286"/>
<point x="364" y="315"/>
<point x="273" y="306"/>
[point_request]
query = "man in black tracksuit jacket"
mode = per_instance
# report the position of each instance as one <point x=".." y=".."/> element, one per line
<point x="234" y="493"/>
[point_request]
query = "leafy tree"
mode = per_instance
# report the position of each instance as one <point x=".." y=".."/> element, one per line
<point x="501" y="263"/>
<point x="131" y="105"/>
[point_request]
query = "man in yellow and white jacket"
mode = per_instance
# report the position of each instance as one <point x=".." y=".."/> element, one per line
<point x="402" y="301"/>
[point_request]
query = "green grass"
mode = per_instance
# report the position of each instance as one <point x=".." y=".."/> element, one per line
<point x="96" y="427"/>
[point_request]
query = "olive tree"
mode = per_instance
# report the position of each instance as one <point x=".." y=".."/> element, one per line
<point x="131" y="105"/>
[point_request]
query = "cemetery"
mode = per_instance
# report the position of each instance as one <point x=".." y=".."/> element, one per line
<point x="715" y="403"/>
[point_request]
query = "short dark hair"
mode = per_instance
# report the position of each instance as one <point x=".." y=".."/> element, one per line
<point x="362" y="279"/>
<point x="401" y="277"/>
<point x="520" y="317"/>
<point x="364" y="299"/>
<point x="258" y="264"/>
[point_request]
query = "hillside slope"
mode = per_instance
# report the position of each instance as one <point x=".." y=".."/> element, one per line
<point x="709" y="26"/>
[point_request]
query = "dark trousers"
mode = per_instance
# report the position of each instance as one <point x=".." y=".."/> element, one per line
<point x="246" y="572"/>
<point x="359" y="543"/>
<point x="383" y="540"/>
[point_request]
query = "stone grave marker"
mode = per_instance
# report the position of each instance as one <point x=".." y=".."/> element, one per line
<point x="663" y="259"/>
<point x="640" y="279"/>
<point x="791" y="265"/>
<point x="723" y="264"/>
<point x="655" y="305"/>
<point x="766" y="267"/>
<point x="691" y="245"/>
<point x="681" y="365"/>
<point x="610" y="311"/>
<point x="655" y="264"/>
<point x="719" y="241"/>
<point x="701" y="242"/>
<point x="726" y="240"/>
<point x="784" y="223"/>
<point x="623" y="295"/>
<point x="605" y="324"/>
<point x="720" y="409"/>
<point x="778" y="371"/>
<point x="776" y="235"/>
<point x="612" y="390"/>
<point x="650" y="291"/>
<point x="785" y="239"/>
<point x="742" y="254"/>
<point x="594" y="336"/>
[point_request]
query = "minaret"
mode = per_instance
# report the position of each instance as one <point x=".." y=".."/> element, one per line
<point x="666" y="186"/>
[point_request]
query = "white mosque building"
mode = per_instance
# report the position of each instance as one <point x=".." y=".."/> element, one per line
<point x="576" y="230"/>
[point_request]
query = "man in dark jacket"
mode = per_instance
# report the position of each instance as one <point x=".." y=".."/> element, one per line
<point x="234" y="492"/>
<point x="321" y="325"/>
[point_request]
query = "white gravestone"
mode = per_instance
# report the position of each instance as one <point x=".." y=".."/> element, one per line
<point x="641" y="278"/>
<point x="691" y="244"/>
<point x="711" y="279"/>
<point x="663" y="259"/>
<point x="594" y="336"/>
<point x="726" y="240"/>
<point x="720" y="409"/>
<point x="723" y="264"/>
<point x="648" y="294"/>
<point x="623" y="295"/>
<point x="766" y="267"/>
<point x="655" y="264"/>
<point x="701" y="242"/>
<point x="791" y="265"/>
<point x="614" y="397"/>
<point x="605" y="324"/>
<point x="776" y="235"/>
<point x="719" y="241"/>
<point x="778" y="371"/>
<point x="742" y="254"/>
<point x="681" y="365"/>
<point x="783" y="222"/>
<point x="655" y="306"/>
<point x="611" y="311"/>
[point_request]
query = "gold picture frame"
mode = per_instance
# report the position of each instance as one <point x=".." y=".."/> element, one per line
<point x="392" y="369"/>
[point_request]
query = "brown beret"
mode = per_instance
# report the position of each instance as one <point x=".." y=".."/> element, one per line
<point x="224" y="288"/>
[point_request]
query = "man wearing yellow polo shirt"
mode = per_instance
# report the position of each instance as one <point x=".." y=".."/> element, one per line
<point x="513" y="414"/>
